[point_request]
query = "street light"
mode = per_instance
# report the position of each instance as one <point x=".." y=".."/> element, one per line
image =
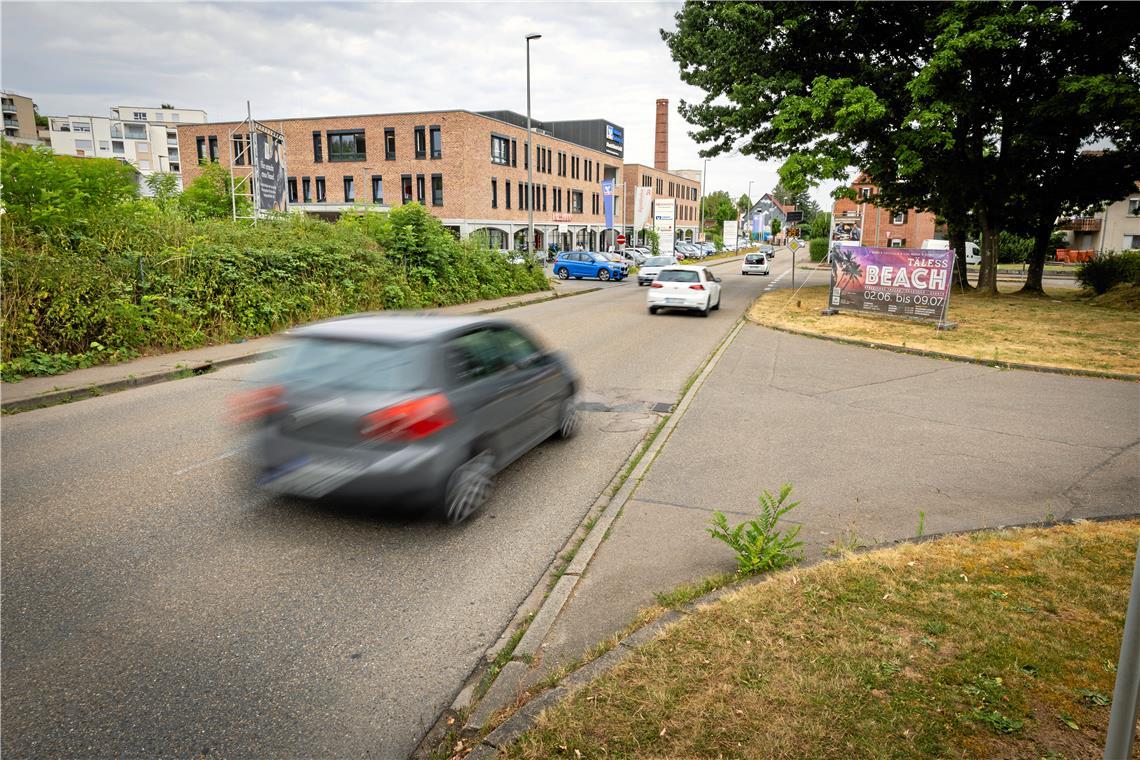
<point x="529" y="157"/>
<point x="749" y="209"/>
<point x="704" y="189"/>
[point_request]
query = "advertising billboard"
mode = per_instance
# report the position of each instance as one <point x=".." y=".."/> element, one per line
<point x="615" y="140"/>
<point x="664" y="216"/>
<point x="731" y="233"/>
<point x="642" y="206"/>
<point x="270" y="173"/>
<point x="898" y="282"/>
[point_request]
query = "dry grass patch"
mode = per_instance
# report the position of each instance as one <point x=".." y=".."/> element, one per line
<point x="990" y="645"/>
<point x="1063" y="330"/>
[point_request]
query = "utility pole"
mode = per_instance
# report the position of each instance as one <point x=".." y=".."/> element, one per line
<point x="529" y="155"/>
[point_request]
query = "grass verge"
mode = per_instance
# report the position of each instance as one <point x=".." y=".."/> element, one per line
<point x="996" y="644"/>
<point x="1063" y="330"/>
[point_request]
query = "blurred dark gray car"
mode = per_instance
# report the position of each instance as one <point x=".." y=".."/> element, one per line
<point x="405" y="409"/>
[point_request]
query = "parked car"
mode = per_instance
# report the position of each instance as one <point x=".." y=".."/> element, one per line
<point x="973" y="252"/>
<point x="768" y="250"/>
<point x="654" y="264"/>
<point x="689" y="251"/>
<point x="754" y="263"/>
<point x="627" y="257"/>
<point x="405" y="410"/>
<point x="708" y="248"/>
<point x="694" y="288"/>
<point x="579" y="264"/>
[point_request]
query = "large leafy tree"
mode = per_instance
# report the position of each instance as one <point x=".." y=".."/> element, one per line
<point x="977" y="111"/>
<point x="719" y="207"/>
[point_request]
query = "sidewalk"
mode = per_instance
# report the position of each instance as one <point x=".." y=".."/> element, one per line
<point x="869" y="439"/>
<point x="38" y="391"/>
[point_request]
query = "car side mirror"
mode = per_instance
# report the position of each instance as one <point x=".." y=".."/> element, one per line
<point x="716" y="279"/>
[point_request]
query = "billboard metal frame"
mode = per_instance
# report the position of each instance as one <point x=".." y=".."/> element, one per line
<point x="244" y="165"/>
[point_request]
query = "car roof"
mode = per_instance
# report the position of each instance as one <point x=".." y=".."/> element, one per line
<point x="394" y="328"/>
<point x="684" y="267"/>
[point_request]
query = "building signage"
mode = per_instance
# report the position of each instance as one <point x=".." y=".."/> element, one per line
<point x="899" y="282"/>
<point x="642" y="205"/>
<point x="615" y="140"/>
<point x="731" y="233"/>
<point x="270" y="173"/>
<point x="613" y="134"/>
<point x="561" y="216"/>
<point x="608" y="201"/>
<point x="664" y="216"/>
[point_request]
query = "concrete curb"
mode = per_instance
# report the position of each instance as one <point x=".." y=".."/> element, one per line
<point x="508" y="684"/>
<point x="52" y="398"/>
<point x="527" y="715"/>
<point x="952" y="357"/>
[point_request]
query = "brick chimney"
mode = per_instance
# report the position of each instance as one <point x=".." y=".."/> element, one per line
<point x="661" y="144"/>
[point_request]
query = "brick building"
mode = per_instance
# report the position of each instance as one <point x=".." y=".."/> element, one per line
<point x="879" y="227"/>
<point x="468" y="169"/>
<point x="664" y="184"/>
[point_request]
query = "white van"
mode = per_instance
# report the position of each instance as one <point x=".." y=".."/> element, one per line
<point x="973" y="252"/>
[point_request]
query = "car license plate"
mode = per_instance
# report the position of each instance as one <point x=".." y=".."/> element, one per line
<point x="310" y="477"/>
<point x="674" y="301"/>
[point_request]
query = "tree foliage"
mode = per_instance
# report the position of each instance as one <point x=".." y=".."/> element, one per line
<point x="977" y="111"/>
<point x="719" y="207"/>
<point x="210" y="195"/>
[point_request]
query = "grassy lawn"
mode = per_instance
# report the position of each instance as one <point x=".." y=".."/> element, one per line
<point x="1064" y="330"/>
<point x="989" y="645"/>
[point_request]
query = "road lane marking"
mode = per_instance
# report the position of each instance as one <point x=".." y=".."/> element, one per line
<point x="212" y="460"/>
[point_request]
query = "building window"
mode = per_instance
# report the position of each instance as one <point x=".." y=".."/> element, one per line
<point x="896" y="242"/>
<point x="139" y="116"/>
<point x="864" y="192"/>
<point x="175" y="117"/>
<point x="646" y="180"/>
<point x="389" y="144"/>
<point x="436" y="142"/>
<point x="346" y="145"/>
<point x="135" y="131"/>
<point x="494" y="193"/>
<point x="406" y="188"/>
<point x="318" y="155"/>
<point x="306" y="190"/>
<point x="117" y="147"/>
<point x="899" y="218"/>
<point x="1130" y="243"/>
<point x="507" y="194"/>
<point x="213" y="149"/>
<point x="544" y="197"/>
<point x="514" y="152"/>
<point x="500" y="150"/>
<point x="239" y="142"/>
<point x="421" y="142"/>
<point x="1134" y="206"/>
<point x="660" y="187"/>
<point x="200" y="142"/>
<point x="175" y="167"/>
<point x="291" y="183"/>
<point x="349" y="187"/>
<point x="437" y="189"/>
<point x="320" y="189"/>
<point x="420" y="189"/>
<point x="526" y="156"/>
<point x="576" y="202"/>
<point x="377" y="188"/>
<point x="522" y="197"/>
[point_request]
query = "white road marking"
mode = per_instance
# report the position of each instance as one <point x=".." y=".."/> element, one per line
<point x="211" y="460"/>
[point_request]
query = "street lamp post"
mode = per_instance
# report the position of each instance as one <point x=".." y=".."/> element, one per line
<point x="529" y="156"/>
<point x="704" y="189"/>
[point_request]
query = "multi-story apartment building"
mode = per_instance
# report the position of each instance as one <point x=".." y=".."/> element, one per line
<point x="1116" y="227"/>
<point x="878" y="227"/>
<point x="19" y="119"/>
<point x="146" y="138"/>
<point x="468" y="169"/>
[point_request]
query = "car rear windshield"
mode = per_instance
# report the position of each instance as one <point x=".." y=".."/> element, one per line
<point x="352" y="365"/>
<point x="754" y="258"/>
<point x="659" y="261"/>
<point x="677" y="275"/>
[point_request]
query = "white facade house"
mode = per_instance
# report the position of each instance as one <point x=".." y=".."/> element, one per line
<point x="146" y="138"/>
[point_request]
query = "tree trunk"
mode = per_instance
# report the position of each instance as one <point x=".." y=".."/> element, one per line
<point x="958" y="245"/>
<point x="1042" y="235"/>
<point x="987" y="277"/>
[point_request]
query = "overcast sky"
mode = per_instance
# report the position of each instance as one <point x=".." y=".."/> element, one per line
<point x="595" y="60"/>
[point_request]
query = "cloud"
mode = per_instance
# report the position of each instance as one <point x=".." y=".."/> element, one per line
<point x="595" y="60"/>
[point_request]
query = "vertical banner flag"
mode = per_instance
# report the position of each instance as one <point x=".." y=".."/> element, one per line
<point x="642" y="205"/>
<point x="899" y="282"/>
<point x="664" y="215"/>
<point x="756" y="226"/>
<point x="270" y="173"/>
<point x="608" y="201"/>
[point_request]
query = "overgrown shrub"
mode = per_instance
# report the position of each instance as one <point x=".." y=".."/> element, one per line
<point x="818" y="248"/>
<point x="759" y="545"/>
<point x="1110" y="269"/>
<point x="1013" y="249"/>
<point x="111" y="280"/>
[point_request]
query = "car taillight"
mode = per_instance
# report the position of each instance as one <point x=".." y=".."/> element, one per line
<point x="656" y="284"/>
<point x="258" y="403"/>
<point x="409" y="420"/>
<point x="696" y="287"/>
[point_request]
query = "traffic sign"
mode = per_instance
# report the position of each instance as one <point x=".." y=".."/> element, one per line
<point x="794" y="216"/>
<point x="621" y="239"/>
<point x="795" y="244"/>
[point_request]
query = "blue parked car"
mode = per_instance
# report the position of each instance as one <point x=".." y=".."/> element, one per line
<point x="579" y="264"/>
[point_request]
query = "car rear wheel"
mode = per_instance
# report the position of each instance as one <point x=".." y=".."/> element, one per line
<point x="563" y="273"/>
<point x="717" y="307"/>
<point x="604" y="274"/>
<point x="705" y="311"/>
<point x="469" y="487"/>
<point x="568" y="418"/>
<point x="652" y="309"/>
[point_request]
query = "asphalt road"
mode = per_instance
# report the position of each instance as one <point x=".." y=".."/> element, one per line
<point x="155" y="605"/>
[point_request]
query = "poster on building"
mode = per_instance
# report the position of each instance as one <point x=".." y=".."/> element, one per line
<point x="608" y="201"/>
<point x="731" y="228"/>
<point x="270" y="173"/>
<point x="642" y="206"/>
<point x="664" y="219"/>
<point x="898" y="282"/>
<point x="756" y="228"/>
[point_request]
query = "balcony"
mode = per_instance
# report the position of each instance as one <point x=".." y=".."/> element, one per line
<point x="12" y="123"/>
<point x="9" y="108"/>
<point x="1079" y="224"/>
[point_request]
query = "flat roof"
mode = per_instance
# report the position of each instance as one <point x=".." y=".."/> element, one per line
<point x="665" y="171"/>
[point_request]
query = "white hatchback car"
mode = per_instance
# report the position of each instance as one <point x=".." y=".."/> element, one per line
<point x="754" y="263"/>
<point x="693" y="288"/>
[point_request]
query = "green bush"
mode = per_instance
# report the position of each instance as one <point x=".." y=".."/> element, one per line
<point x="1013" y="249"/>
<point x="1110" y="269"/>
<point x="759" y="546"/>
<point x="82" y="288"/>
<point x="818" y="248"/>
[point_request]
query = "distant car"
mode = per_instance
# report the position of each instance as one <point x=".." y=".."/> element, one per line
<point x="654" y="264"/>
<point x="628" y="257"/>
<point x="708" y="248"/>
<point x="694" y="288"/>
<point x="768" y="250"/>
<point x="395" y="410"/>
<point x="690" y="251"/>
<point x="579" y="264"/>
<point x="754" y="263"/>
